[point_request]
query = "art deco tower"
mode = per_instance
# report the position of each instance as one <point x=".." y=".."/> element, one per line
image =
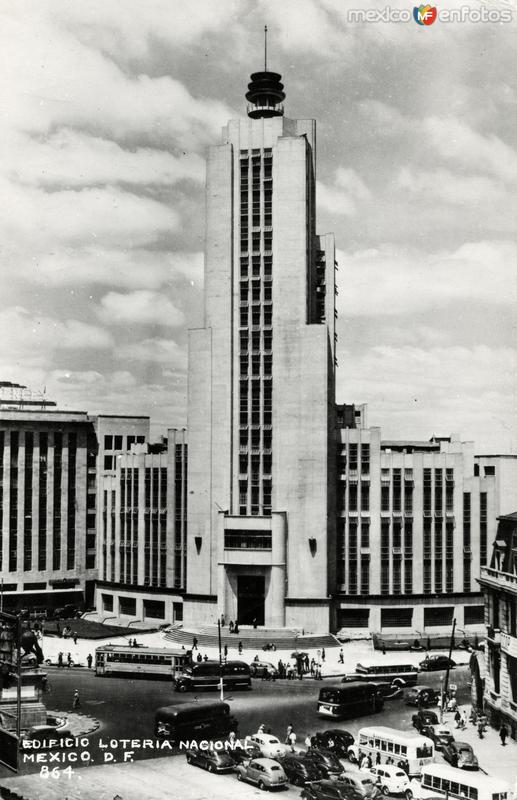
<point x="261" y="516"/>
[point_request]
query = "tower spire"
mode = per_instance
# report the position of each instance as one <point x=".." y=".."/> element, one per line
<point x="265" y="93"/>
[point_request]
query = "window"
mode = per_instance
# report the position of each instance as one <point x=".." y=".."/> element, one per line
<point x="474" y="615"/>
<point x="396" y="617"/>
<point x="107" y="602"/>
<point x="353" y="617"/>
<point x="127" y="606"/>
<point x="108" y="442"/>
<point x="247" y="540"/>
<point x="438" y="616"/>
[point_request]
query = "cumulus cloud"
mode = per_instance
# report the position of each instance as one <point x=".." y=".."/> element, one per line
<point x="342" y="197"/>
<point x="164" y="351"/>
<point x="142" y="307"/>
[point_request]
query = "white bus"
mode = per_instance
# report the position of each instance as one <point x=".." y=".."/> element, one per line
<point x="393" y="746"/>
<point x="441" y="779"/>
<point x="125" y="661"/>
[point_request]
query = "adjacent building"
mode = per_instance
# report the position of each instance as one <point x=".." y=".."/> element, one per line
<point x="261" y="517"/>
<point x="143" y="536"/>
<point x="415" y="523"/>
<point x="499" y="585"/>
<point x="50" y="461"/>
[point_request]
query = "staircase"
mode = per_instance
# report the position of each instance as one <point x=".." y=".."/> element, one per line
<point x="251" y="638"/>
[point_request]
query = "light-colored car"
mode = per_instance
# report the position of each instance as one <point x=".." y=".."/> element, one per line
<point x="362" y="782"/>
<point x="269" y="745"/>
<point x="391" y="779"/>
<point x="263" y="772"/>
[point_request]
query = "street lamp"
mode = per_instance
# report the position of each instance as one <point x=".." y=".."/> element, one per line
<point x="221" y="686"/>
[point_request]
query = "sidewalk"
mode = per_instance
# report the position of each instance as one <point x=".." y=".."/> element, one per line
<point x="494" y="759"/>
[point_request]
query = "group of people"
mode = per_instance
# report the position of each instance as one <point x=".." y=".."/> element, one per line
<point x="233" y="627"/>
<point x="66" y="633"/>
<point x="61" y="661"/>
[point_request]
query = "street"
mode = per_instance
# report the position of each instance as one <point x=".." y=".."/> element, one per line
<point x="126" y="708"/>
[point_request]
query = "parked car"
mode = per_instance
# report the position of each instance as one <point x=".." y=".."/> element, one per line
<point x="422" y="696"/>
<point x="424" y="718"/>
<point x="211" y="760"/>
<point x="258" y="669"/>
<point x="363" y="783"/>
<point x="300" y="770"/>
<point x="440" y="734"/>
<point x="326" y="760"/>
<point x="392" y="780"/>
<point x="329" y="790"/>
<point x="432" y="663"/>
<point x="263" y="772"/>
<point x="269" y="746"/>
<point x="333" y="739"/>
<point x="69" y="611"/>
<point x="241" y="755"/>
<point x="461" y="755"/>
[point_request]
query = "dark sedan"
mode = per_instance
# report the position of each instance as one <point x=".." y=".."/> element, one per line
<point x="422" y="719"/>
<point x="432" y="663"/>
<point x="440" y="735"/>
<point x="263" y="669"/>
<point x="329" y="790"/>
<point x="241" y="755"/>
<point x="211" y="760"/>
<point x="326" y="760"/>
<point x="300" y="770"/>
<point x="461" y="755"/>
<point x="421" y="696"/>
<point x="334" y="739"/>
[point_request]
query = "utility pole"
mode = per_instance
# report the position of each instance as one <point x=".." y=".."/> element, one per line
<point x="451" y="643"/>
<point x="221" y="685"/>
<point x="19" y="675"/>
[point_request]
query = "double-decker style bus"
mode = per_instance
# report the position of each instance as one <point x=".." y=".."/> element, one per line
<point x="123" y="660"/>
<point x="440" y="780"/>
<point x="413" y="750"/>
<point x="349" y="700"/>
<point x="396" y="674"/>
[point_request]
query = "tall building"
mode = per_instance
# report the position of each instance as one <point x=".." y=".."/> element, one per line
<point x="499" y="585"/>
<point x="50" y="461"/>
<point x="261" y="516"/>
<point x="416" y="521"/>
<point x="142" y="553"/>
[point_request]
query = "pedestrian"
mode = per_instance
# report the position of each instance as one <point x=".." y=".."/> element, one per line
<point x="74" y="636"/>
<point x="77" y="701"/>
<point x="225" y="652"/>
<point x="503" y="734"/>
<point x="292" y="741"/>
<point x="288" y="733"/>
<point x="313" y="664"/>
<point x="306" y="663"/>
<point x="236" y="627"/>
<point x="364" y="762"/>
<point x="60" y="660"/>
<point x="255" y="622"/>
<point x="205" y="657"/>
<point x="89" y="660"/>
<point x="480" y="728"/>
<point x="240" y="648"/>
<point x="323" y="654"/>
<point x="199" y="658"/>
<point x="261" y="728"/>
<point x="463" y="720"/>
<point x="58" y="629"/>
<point x="341" y="656"/>
<point x="457" y="718"/>
<point x="69" y="660"/>
<point x="308" y="741"/>
<point x="222" y="620"/>
<point x="194" y="643"/>
<point x="232" y="736"/>
<point x="230" y="626"/>
<point x="377" y="758"/>
<point x="383" y="649"/>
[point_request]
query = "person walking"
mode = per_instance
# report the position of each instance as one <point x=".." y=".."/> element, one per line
<point x="69" y="660"/>
<point x="323" y="654"/>
<point x="194" y="643"/>
<point x="199" y="658"/>
<point x="230" y="626"/>
<point x="480" y="727"/>
<point x="89" y="660"/>
<point x="503" y="734"/>
<point x="288" y="733"/>
<point x="255" y="623"/>
<point x="377" y="759"/>
<point x="292" y="741"/>
<point x="236" y="627"/>
<point x="457" y="718"/>
<point x="74" y="637"/>
<point x="60" y="660"/>
<point x="463" y="720"/>
<point x="341" y="656"/>
<point x="240" y="648"/>
<point x="225" y="651"/>
<point x="308" y="741"/>
<point x="313" y="664"/>
<point x="77" y="701"/>
<point x="205" y="657"/>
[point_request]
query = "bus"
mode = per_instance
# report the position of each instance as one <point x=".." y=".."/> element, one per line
<point x="413" y="750"/>
<point x="207" y="675"/>
<point x="396" y="674"/>
<point x="338" y="701"/>
<point x="186" y="721"/>
<point x="126" y="661"/>
<point x="442" y="780"/>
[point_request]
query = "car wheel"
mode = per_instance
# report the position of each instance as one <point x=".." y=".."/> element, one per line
<point x="425" y="697"/>
<point x="408" y="794"/>
<point x="189" y="759"/>
<point x="385" y="790"/>
<point x="181" y="687"/>
<point x="239" y="776"/>
<point x="210" y="768"/>
<point x="352" y="757"/>
<point x="261" y="785"/>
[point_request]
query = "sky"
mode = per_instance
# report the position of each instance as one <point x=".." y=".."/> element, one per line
<point x="108" y="107"/>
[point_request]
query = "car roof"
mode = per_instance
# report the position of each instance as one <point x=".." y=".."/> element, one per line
<point x="266" y="762"/>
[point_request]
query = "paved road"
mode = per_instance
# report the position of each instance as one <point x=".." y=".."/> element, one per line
<point x="126" y="707"/>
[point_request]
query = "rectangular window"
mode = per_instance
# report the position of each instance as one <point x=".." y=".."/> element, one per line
<point x="466" y="543"/>
<point x="438" y="616"/>
<point x="483" y="528"/>
<point x="385" y="558"/>
<point x="352" y="558"/>
<point x="365" y="574"/>
<point x="365" y="534"/>
<point x="396" y="617"/>
<point x="353" y="617"/>
<point x="474" y="615"/>
<point x="27" y="502"/>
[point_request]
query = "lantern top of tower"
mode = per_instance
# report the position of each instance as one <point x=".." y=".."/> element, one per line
<point x="265" y="93"/>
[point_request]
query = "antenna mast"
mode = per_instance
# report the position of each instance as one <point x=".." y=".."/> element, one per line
<point x="265" y="48"/>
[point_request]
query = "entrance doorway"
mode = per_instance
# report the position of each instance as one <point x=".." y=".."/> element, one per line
<point x="251" y="593"/>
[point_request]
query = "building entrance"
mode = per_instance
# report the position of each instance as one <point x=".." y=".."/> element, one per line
<point x="251" y="593"/>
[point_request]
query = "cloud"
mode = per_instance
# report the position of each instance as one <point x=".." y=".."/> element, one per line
<point x="390" y="280"/>
<point x="342" y="197"/>
<point x="73" y="159"/>
<point x="164" y="351"/>
<point x="447" y="187"/>
<point x="142" y="307"/>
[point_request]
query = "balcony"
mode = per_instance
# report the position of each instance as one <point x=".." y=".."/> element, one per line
<point x="498" y="579"/>
<point x="494" y="635"/>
